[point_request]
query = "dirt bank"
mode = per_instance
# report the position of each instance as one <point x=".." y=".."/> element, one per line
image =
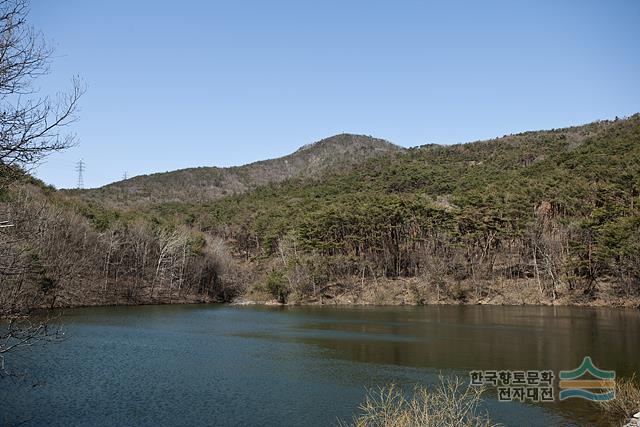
<point x="414" y="291"/>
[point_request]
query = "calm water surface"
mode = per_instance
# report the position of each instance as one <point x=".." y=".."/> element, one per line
<point x="250" y="366"/>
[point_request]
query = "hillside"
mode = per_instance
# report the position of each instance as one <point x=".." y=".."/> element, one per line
<point x="545" y="217"/>
<point x="553" y="214"/>
<point x="204" y="184"/>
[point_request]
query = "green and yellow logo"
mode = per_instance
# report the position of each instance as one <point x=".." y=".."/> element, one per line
<point x="600" y="387"/>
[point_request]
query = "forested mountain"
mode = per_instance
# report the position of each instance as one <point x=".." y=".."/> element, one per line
<point x="204" y="184"/>
<point x="553" y="213"/>
<point x="539" y="217"/>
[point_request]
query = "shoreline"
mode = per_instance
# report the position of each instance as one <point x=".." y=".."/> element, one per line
<point x="417" y="291"/>
<point x="242" y="302"/>
<point x="382" y="292"/>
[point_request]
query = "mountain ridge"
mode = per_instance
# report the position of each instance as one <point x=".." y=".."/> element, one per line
<point x="208" y="183"/>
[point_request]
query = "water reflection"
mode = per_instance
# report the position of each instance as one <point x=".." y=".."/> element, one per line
<point x="459" y="339"/>
<point x="203" y="365"/>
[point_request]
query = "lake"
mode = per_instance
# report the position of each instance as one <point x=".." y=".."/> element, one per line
<point x="281" y="366"/>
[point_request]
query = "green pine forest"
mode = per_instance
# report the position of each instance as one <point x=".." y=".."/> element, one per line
<point x="545" y="217"/>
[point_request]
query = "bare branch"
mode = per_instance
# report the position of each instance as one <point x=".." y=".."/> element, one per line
<point x="30" y="125"/>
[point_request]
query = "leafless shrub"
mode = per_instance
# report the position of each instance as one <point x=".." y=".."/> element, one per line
<point x="453" y="403"/>
<point x="627" y="401"/>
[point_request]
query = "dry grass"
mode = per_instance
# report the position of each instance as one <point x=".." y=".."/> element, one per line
<point x="627" y="401"/>
<point x="451" y="403"/>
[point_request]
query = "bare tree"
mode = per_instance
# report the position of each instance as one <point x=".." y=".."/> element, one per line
<point x="25" y="332"/>
<point x="31" y="125"/>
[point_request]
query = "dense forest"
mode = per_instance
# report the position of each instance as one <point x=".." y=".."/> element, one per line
<point x="542" y="215"/>
<point x="539" y="217"/>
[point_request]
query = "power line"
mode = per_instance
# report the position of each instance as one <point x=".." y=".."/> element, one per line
<point x="80" y="167"/>
<point x="124" y="177"/>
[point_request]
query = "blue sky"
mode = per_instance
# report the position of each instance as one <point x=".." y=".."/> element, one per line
<point x="199" y="83"/>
